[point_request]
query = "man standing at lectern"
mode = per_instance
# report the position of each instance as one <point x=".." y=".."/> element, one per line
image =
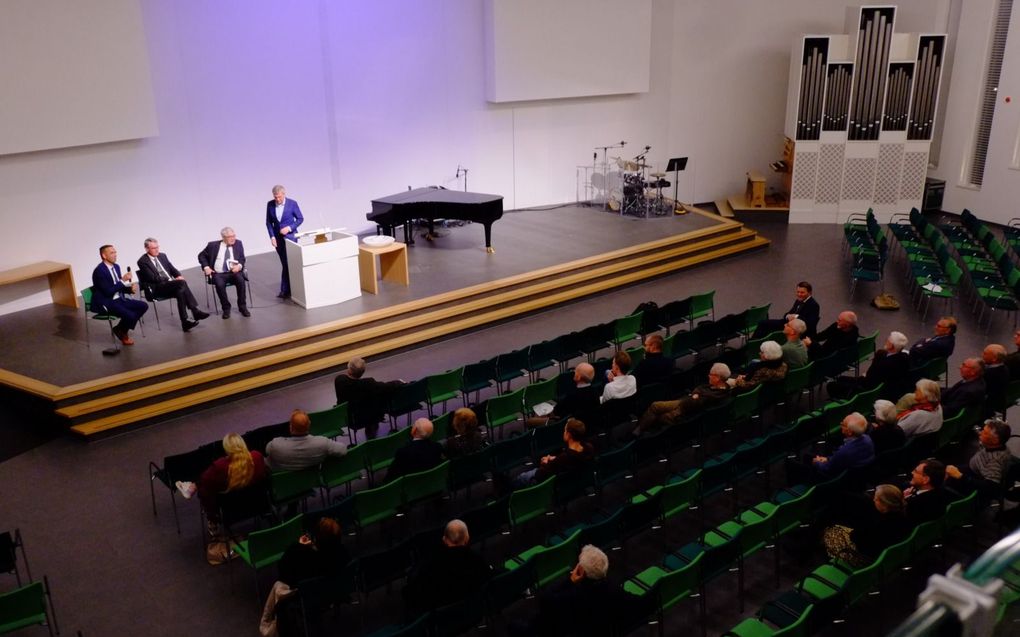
<point x="109" y="288"/>
<point x="283" y="216"/>
<point x="224" y="262"/>
<point x="155" y="270"/>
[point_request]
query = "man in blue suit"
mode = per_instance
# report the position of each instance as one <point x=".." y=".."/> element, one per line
<point x="283" y="216"/>
<point x="109" y="288"/>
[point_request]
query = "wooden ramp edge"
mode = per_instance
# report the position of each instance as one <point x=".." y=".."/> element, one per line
<point x="101" y="414"/>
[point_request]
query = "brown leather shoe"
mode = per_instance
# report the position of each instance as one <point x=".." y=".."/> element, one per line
<point x="126" y="339"/>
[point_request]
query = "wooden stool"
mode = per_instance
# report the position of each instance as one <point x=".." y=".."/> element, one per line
<point x="755" y="189"/>
<point x="392" y="261"/>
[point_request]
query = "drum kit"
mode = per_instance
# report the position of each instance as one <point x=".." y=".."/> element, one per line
<point x="640" y="196"/>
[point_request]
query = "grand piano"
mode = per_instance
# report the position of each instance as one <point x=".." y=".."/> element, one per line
<point x="435" y="203"/>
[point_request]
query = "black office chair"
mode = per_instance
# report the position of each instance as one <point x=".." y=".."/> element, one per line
<point x="147" y="289"/>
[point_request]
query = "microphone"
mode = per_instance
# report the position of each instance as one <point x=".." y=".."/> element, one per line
<point x="647" y="148"/>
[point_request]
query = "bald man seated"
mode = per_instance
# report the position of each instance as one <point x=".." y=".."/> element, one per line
<point x="449" y="574"/>
<point x="421" y="454"/>
<point x="581" y="402"/>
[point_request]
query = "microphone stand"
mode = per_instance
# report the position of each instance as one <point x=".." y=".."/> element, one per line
<point x="605" y="167"/>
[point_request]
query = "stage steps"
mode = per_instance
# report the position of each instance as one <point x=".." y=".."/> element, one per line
<point x="156" y="392"/>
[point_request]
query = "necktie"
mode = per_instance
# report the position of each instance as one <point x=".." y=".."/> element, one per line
<point x="226" y="260"/>
<point x="163" y="274"/>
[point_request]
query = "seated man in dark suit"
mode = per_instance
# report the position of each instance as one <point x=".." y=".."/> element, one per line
<point x="856" y="452"/>
<point x="366" y="397"/>
<point x="939" y="346"/>
<point x="452" y="573"/>
<point x="654" y="367"/>
<point x="839" y="336"/>
<point x="586" y="603"/>
<point x="925" y="497"/>
<point x="890" y="368"/>
<point x="156" y="271"/>
<point x="421" y="454"/>
<point x="805" y="307"/>
<point x="224" y="261"/>
<point x="996" y="379"/>
<point x="581" y="402"/>
<point x="969" y="391"/>
<point x="109" y="288"/>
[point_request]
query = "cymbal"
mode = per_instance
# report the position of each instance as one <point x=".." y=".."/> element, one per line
<point x="624" y="164"/>
<point x="658" y="174"/>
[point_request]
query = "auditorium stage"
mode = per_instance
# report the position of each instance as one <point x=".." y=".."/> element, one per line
<point x="542" y="258"/>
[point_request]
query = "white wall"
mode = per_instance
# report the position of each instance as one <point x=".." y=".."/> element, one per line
<point x="342" y="102"/>
<point x="997" y="199"/>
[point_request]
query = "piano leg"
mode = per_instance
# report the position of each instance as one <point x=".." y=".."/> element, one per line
<point x="488" y="239"/>
<point x="408" y="233"/>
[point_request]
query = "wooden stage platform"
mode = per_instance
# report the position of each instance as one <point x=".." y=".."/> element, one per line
<point x="543" y="258"/>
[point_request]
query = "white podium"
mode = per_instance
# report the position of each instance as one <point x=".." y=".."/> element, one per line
<point x="323" y="269"/>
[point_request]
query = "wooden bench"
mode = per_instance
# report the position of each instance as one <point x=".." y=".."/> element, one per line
<point x="59" y="275"/>
<point x="755" y="189"/>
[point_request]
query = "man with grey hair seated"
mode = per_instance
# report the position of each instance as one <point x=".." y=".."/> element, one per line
<point x="421" y="454"/>
<point x="856" y="452"/>
<point x="666" y="413"/>
<point x="890" y="369"/>
<point x="584" y="604"/>
<point x="884" y="431"/>
<point x="969" y="391"/>
<point x="366" y="397"/>
<point x="794" y="351"/>
<point x="838" y="337"/>
<point x="223" y="262"/>
<point x="450" y="572"/>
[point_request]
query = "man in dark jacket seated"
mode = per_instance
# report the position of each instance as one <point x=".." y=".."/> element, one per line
<point x="654" y="367"/>
<point x="586" y="604"/>
<point x="577" y="454"/>
<point x="581" y="402"/>
<point x="839" y="336"/>
<point x="939" y="346"/>
<point x="666" y="413"/>
<point x="451" y="574"/>
<point x="926" y="498"/>
<point x="969" y="391"/>
<point x="996" y="379"/>
<point x="366" y="397"/>
<point x="890" y="368"/>
<point x="805" y="307"/>
<point x="421" y="454"/>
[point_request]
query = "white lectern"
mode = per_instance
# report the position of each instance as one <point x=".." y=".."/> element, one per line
<point x="323" y="268"/>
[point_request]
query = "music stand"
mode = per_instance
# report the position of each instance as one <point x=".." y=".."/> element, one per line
<point x="675" y="165"/>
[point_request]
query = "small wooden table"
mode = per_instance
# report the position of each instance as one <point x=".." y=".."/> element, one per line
<point x="755" y="189"/>
<point x="392" y="261"/>
<point x="59" y="275"/>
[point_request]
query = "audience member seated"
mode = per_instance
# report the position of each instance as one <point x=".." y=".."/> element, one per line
<point x="770" y="368"/>
<point x="890" y="368"/>
<point x="939" y="346"/>
<point x="925" y="497"/>
<point x="805" y="308"/>
<point x="794" y="350"/>
<point x="301" y="450"/>
<point x="316" y="554"/>
<point x="451" y="574"/>
<point x="925" y="414"/>
<point x="887" y="525"/>
<point x="884" y="431"/>
<point x="621" y="384"/>
<point x="856" y="452"/>
<point x="582" y="402"/>
<point x="987" y="467"/>
<point x="838" y="337"/>
<point x="996" y="379"/>
<point x="585" y="604"/>
<point x="654" y="367"/>
<point x="238" y="469"/>
<point x="1013" y="359"/>
<point x="666" y="413"/>
<point x="467" y="435"/>
<point x="577" y="454"/>
<point x="366" y="397"/>
<point x="421" y="454"/>
<point x="969" y="391"/>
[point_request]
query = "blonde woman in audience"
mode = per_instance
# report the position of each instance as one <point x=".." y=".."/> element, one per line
<point x="238" y="469"/>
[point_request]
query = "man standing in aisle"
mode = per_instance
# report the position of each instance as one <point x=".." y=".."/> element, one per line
<point x="283" y="216"/>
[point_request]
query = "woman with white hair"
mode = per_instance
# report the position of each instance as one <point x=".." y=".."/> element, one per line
<point x="884" y="431"/>
<point x="771" y="368"/>
<point x="925" y="416"/>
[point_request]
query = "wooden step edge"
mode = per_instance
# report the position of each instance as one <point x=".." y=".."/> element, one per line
<point x="377" y="331"/>
<point x="309" y="367"/>
<point x="28" y="385"/>
<point x="315" y="331"/>
<point x="724" y="208"/>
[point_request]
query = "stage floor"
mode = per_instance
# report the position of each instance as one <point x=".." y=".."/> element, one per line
<point x="49" y="343"/>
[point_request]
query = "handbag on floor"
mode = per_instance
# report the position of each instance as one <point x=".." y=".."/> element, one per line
<point x="886" y="302"/>
<point x="220" y="552"/>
